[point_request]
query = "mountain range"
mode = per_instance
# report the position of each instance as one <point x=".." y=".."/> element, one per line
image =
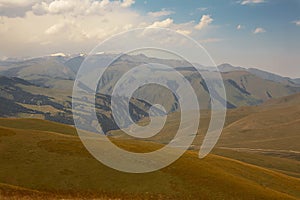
<point x="42" y="87"/>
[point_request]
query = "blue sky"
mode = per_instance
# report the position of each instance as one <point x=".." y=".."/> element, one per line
<point x="251" y="33"/>
<point x="277" y="49"/>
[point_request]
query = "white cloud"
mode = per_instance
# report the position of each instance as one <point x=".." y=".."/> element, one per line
<point x="68" y="27"/>
<point x="204" y="21"/>
<point x="184" y="32"/>
<point x="57" y="28"/>
<point x="259" y="30"/>
<point x="71" y="7"/>
<point x="63" y="26"/>
<point x="297" y="22"/>
<point x="246" y="2"/>
<point x="40" y="8"/>
<point x="239" y="27"/>
<point x="16" y="3"/>
<point x="103" y="3"/>
<point x="127" y="3"/>
<point x="62" y="6"/>
<point x="162" y="24"/>
<point x="127" y="26"/>
<point x="161" y="13"/>
<point x="15" y="8"/>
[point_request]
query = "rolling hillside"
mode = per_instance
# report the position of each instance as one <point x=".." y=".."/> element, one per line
<point x="38" y="163"/>
<point x="273" y="125"/>
<point x="271" y="129"/>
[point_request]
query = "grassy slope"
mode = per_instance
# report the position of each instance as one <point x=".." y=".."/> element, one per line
<point x="42" y="160"/>
<point x="37" y="124"/>
<point x="274" y="125"/>
<point x="270" y="126"/>
<point x="284" y="165"/>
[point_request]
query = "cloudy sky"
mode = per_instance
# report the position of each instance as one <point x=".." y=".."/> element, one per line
<point x="250" y="33"/>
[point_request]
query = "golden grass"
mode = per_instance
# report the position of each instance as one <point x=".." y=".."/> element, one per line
<point x="54" y="165"/>
<point x="37" y="124"/>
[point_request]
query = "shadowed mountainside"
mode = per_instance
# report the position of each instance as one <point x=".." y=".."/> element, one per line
<point x="243" y="86"/>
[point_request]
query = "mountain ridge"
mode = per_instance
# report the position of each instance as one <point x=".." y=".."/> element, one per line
<point x="48" y="90"/>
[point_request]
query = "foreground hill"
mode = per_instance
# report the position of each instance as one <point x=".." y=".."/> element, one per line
<point x="44" y="160"/>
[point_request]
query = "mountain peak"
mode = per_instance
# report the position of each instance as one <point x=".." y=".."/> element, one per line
<point x="225" y="67"/>
<point x="58" y="54"/>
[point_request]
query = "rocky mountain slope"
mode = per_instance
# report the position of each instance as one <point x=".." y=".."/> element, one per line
<point x="42" y="87"/>
<point x="20" y="98"/>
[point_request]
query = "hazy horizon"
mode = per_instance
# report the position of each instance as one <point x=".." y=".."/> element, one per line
<point x="150" y="56"/>
<point x="250" y="33"/>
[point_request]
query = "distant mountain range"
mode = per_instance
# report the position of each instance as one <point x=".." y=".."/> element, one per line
<point x="42" y="87"/>
<point x="23" y="99"/>
<point x="63" y="66"/>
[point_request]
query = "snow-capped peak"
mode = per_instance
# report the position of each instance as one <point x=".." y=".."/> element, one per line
<point x="58" y="54"/>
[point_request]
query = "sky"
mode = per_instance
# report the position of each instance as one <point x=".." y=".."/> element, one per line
<point x="263" y="34"/>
